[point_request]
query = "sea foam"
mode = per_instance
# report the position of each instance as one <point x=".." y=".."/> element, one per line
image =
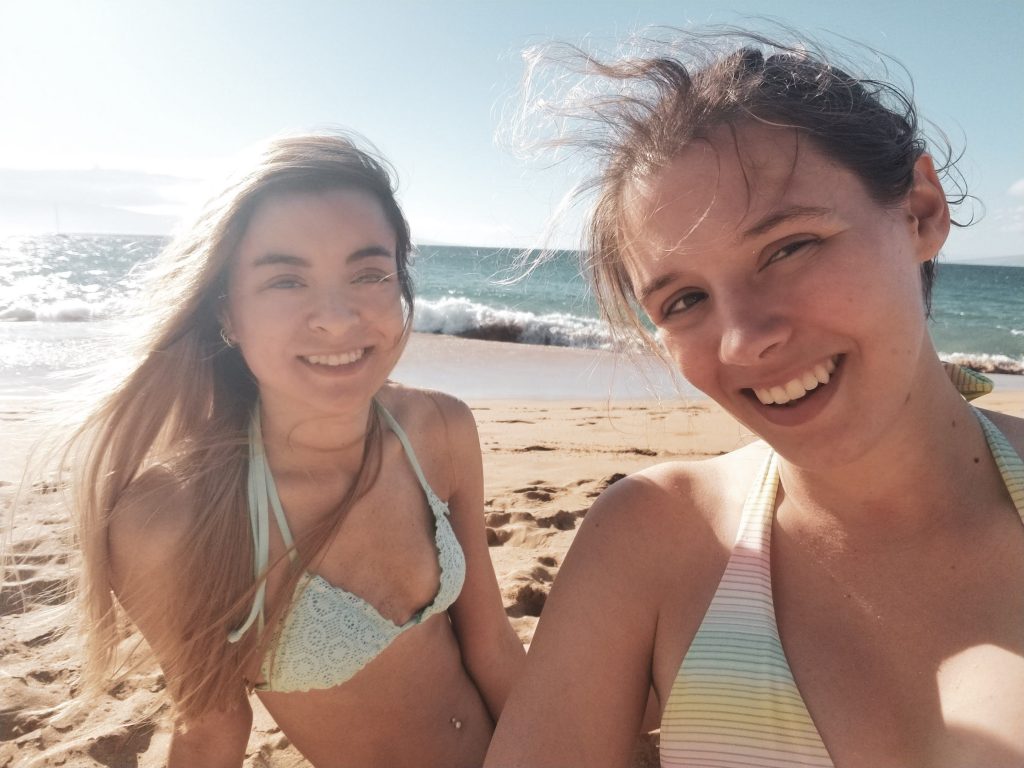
<point x="63" y="311"/>
<point x="985" y="363"/>
<point x="459" y="316"/>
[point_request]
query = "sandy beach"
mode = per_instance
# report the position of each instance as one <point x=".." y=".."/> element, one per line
<point x="546" y="458"/>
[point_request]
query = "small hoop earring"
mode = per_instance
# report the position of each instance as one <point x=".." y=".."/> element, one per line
<point x="228" y="341"/>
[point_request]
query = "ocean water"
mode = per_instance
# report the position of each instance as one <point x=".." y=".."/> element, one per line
<point x="61" y="296"/>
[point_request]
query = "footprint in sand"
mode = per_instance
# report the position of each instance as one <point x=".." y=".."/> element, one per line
<point x="25" y="587"/>
<point x="48" y="486"/>
<point x="610" y="480"/>
<point x="114" y="748"/>
<point x="496" y="519"/>
<point x="529" y="590"/>
<point x="497" y="536"/>
<point x="537" y="492"/>
<point x="526" y="529"/>
<point x="563" y="519"/>
<point x="47" y="676"/>
<point x="527" y="600"/>
<point x="47" y="637"/>
<point x="15" y="723"/>
<point x="496" y="526"/>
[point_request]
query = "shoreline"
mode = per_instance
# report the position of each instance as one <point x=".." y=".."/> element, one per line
<point x="470" y="369"/>
<point x="499" y="370"/>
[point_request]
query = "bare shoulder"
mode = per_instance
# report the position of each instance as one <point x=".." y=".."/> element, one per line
<point x="426" y="410"/>
<point x="148" y="524"/>
<point x="667" y="529"/>
<point x="443" y="434"/>
<point x="683" y="498"/>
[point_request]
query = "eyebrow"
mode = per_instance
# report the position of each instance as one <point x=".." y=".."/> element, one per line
<point x="644" y="292"/>
<point x="776" y="218"/>
<point x="766" y="224"/>
<point x="273" y="259"/>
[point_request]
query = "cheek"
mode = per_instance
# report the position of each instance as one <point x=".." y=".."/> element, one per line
<point x="694" y="357"/>
<point x="393" y="309"/>
<point x="390" y="318"/>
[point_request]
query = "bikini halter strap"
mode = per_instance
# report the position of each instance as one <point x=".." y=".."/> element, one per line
<point x="263" y="496"/>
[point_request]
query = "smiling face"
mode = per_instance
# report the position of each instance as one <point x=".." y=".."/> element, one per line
<point x="314" y="302"/>
<point x="783" y="290"/>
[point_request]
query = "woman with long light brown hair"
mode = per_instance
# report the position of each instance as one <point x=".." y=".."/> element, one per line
<point x="273" y="513"/>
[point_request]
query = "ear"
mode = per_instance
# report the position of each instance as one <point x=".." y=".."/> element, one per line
<point x="927" y="210"/>
<point x="227" y="329"/>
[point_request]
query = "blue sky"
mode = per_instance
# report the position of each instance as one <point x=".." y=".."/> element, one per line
<point x="115" y="111"/>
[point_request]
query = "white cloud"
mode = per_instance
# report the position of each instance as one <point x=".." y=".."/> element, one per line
<point x="1017" y="188"/>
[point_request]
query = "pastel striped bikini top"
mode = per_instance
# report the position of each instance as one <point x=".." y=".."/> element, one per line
<point x="734" y="701"/>
<point x="328" y="634"/>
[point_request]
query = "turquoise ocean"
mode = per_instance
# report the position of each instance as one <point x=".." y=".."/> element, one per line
<point x="60" y="293"/>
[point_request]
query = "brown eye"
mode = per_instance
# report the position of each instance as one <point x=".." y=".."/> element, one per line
<point x="374" y="277"/>
<point x="789" y="249"/>
<point x="684" y="302"/>
<point x="284" y="283"/>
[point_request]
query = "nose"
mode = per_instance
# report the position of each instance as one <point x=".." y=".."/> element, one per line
<point x="333" y="312"/>
<point x="751" y="332"/>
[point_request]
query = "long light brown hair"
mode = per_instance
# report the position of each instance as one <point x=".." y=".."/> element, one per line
<point x="184" y="409"/>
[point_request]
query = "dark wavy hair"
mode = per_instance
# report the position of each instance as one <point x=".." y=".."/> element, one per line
<point x="647" y="108"/>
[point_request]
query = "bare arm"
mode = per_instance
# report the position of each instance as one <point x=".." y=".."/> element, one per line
<point x="627" y="602"/>
<point x="143" y="538"/>
<point x="583" y="695"/>
<point x="491" y="651"/>
<point x="217" y="739"/>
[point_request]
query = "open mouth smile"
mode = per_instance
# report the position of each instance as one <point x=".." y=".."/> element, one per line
<point x="798" y="387"/>
<point x="335" y="360"/>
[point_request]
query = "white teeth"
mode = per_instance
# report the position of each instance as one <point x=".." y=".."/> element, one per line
<point x="336" y="360"/>
<point x="798" y="387"/>
<point x="795" y="389"/>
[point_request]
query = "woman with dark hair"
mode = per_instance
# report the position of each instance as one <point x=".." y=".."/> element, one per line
<point x="847" y="590"/>
<point x="271" y="511"/>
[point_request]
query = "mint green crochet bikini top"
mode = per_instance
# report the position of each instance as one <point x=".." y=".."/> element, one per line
<point x="330" y="634"/>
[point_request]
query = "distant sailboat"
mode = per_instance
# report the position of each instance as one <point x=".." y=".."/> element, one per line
<point x="56" y="221"/>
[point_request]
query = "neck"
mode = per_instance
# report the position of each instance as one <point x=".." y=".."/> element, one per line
<point x="931" y="467"/>
<point x="315" y="442"/>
